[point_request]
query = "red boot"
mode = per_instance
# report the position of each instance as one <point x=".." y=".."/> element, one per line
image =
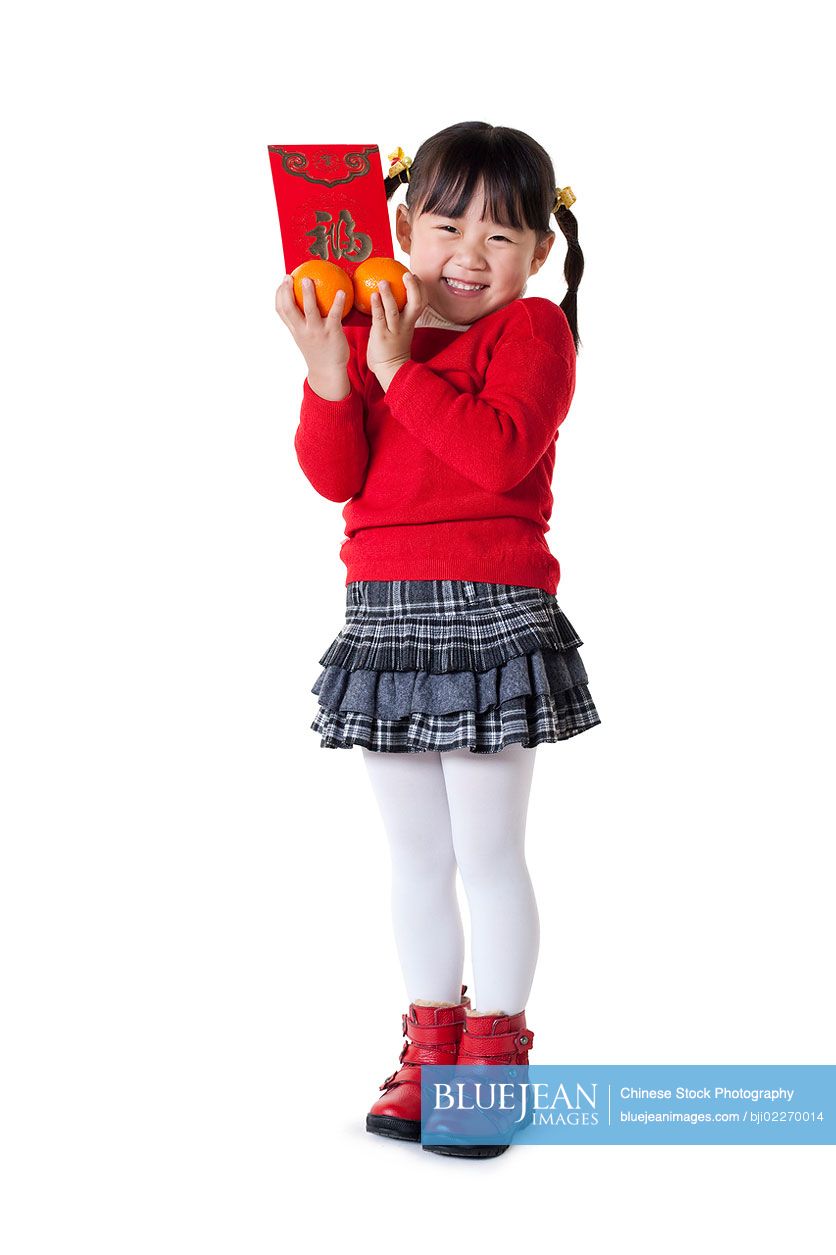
<point x="434" y="1034"/>
<point x="490" y="1039"/>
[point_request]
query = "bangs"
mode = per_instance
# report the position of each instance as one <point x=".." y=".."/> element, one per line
<point x="450" y="194"/>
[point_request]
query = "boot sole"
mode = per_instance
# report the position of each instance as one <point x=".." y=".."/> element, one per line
<point x="467" y="1152"/>
<point x="393" y="1126"/>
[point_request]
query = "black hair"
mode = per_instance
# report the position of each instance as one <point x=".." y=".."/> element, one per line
<point x="519" y="184"/>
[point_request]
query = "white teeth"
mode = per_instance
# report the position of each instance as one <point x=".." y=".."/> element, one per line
<point x="467" y="287"/>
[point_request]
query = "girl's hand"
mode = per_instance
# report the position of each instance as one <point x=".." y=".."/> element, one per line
<point x="390" y="339"/>
<point x="322" y="341"/>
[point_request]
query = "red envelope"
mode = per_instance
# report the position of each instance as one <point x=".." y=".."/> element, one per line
<point x="332" y="204"/>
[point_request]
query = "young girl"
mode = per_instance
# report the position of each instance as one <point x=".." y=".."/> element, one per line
<point x="437" y="426"/>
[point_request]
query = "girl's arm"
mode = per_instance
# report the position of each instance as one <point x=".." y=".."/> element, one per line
<point x="496" y="438"/>
<point x="330" y="441"/>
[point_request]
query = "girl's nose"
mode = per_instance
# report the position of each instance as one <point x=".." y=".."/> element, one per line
<point x="469" y="257"/>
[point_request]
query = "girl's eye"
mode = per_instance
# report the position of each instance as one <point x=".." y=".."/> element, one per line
<point x="447" y="227"/>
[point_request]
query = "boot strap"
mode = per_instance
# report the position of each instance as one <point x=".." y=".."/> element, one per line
<point x="411" y="1055"/>
<point x="432" y="1034"/>
<point x="403" y="1076"/>
<point x="435" y="1054"/>
<point x="502" y="1044"/>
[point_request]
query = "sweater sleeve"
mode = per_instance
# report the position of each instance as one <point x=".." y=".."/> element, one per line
<point x="496" y="438"/>
<point x="330" y="441"/>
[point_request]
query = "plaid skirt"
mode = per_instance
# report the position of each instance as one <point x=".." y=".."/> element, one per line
<point x="448" y="664"/>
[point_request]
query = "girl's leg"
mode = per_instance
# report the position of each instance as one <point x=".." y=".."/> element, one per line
<point x="487" y="795"/>
<point x="410" y="793"/>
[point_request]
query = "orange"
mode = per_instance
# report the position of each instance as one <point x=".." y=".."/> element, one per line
<point x="368" y="275"/>
<point x="328" y="279"/>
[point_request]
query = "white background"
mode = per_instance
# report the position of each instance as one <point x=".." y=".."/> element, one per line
<point x="200" y="989"/>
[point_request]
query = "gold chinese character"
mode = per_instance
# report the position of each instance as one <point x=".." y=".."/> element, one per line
<point x="356" y="245"/>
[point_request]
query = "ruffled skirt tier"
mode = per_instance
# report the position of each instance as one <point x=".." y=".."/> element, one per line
<point x="448" y="664"/>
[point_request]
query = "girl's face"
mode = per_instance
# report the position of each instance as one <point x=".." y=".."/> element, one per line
<point x="497" y="258"/>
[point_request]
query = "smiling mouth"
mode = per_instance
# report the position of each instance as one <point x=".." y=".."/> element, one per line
<point x="458" y="285"/>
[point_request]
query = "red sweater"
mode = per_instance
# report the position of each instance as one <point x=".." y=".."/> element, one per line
<point x="449" y="471"/>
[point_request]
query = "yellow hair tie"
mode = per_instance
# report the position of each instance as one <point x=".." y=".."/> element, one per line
<point x="399" y="164"/>
<point x="563" y="196"/>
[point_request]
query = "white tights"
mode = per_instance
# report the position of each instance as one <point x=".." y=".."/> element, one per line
<point x="448" y="809"/>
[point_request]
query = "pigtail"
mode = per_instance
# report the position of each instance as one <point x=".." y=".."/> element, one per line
<point x="391" y="185"/>
<point x="572" y="268"/>
<point x="398" y="172"/>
